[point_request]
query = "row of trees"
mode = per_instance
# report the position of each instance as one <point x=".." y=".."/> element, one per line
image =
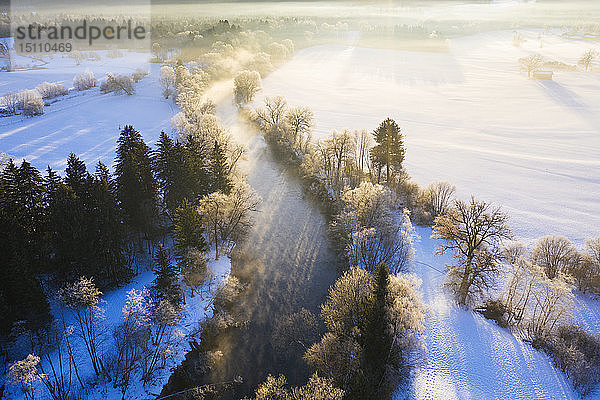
<point x="374" y="314"/>
<point x="535" y="62"/>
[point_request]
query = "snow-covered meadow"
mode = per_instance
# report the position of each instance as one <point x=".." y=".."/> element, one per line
<point x="471" y="117"/>
<point x="88" y="122"/>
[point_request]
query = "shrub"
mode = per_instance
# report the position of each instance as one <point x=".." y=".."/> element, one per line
<point x="10" y="101"/>
<point x="139" y="74"/>
<point x="51" y="90"/>
<point x="85" y="80"/>
<point x="33" y="106"/>
<point x="117" y="84"/>
<point x="496" y="311"/>
<point x="576" y="353"/>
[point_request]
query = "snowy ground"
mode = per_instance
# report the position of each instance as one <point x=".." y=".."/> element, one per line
<point x="471" y="117"/>
<point x="469" y="357"/>
<point x="86" y="123"/>
<point x="196" y="309"/>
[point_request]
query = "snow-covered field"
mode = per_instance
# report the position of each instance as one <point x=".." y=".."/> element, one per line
<point x="469" y="117"/>
<point x="469" y="357"/>
<point x="87" y="123"/>
<point x="472" y="118"/>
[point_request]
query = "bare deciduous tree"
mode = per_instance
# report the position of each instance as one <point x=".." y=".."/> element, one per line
<point x="438" y="196"/>
<point x="555" y="254"/>
<point x="531" y="63"/>
<point x="473" y="231"/>
<point x="83" y="298"/>
<point x="272" y="115"/>
<point x="587" y="58"/>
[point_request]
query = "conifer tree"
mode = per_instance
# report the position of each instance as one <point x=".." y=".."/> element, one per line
<point x="219" y="170"/>
<point x="377" y="339"/>
<point x="164" y="286"/>
<point x="76" y="174"/>
<point x="197" y="182"/>
<point x="136" y="187"/>
<point x="188" y="229"/>
<point x="22" y="247"/>
<point x="389" y="151"/>
<point x="169" y="166"/>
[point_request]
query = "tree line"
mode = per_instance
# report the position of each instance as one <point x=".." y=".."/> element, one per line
<point x="87" y="232"/>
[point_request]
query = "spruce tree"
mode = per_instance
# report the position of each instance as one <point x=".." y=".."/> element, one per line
<point x="389" y="151"/>
<point x="165" y="286"/>
<point x="169" y="166"/>
<point x="136" y="187"/>
<point x="111" y="241"/>
<point x="219" y="170"/>
<point x="377" y="339"/>
<point x="76" y="174"/>
<point x="197" y="174"/>
<point x="23" y="248"/>
<point x="187" y="229"/>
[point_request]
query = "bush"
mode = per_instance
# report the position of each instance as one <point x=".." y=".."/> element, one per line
<point x="10" y="101"/>
<point x="496" y="311"/>
<point x="576" y="353"/>
<point x="85" y="80"/>
<point x="34" y="106"/>
<point x="117" y="84"/>
<point x="51" y="90"/>
<point x="139" y="74"/>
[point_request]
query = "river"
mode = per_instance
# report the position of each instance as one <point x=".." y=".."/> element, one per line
<point x="286" y="262"/>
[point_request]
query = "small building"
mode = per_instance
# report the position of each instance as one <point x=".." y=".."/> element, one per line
<point x="546" y="75"/>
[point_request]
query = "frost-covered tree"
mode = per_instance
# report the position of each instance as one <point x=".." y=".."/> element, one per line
<point x="473" y="231"/>
<point x="131" y="338"/>
<point x="513" y="251"/>
<point x="300" y="121"/>
<point x="438" y="196"/>
<point x="227" y="217"/>
<point x="317" y="388"/>
<point x="588" y="58"/>
<point x="245" y="86"/>
<point x="116" y="83"/>
<point x="10" y="101"/>
<point x="553" y="303"/>
<point x="525" y="278"/>
<point x="83" y="299"/>
<point x="376" y="234"/>
<point x="164" y="319"/>
<point x="51" y="90"/>
<point x="535" y="302"/>
<point x="555" y="254"/>
<point x="24" y="374"/>
<point x="272" y="115"/>
<point x="167" y="80"/>
<point x="531" y="63"/>
<point x="195" y="270"/>
<point x="85" y="80"/>
<point x="355" y="309"/>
